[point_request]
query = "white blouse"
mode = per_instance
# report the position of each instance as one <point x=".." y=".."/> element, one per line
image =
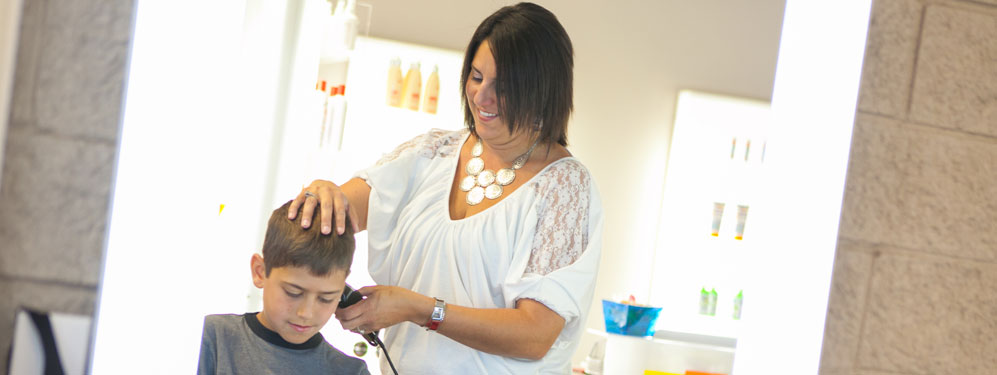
<point x="541" y="242"/>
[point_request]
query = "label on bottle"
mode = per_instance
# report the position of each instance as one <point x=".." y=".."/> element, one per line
<point x="742" y="217"/>
<point x="713" y="303"/>
<point x="718" y="212"/>
<point x="413" y="103"/>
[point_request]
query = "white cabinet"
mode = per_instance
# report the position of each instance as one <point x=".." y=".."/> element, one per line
<point x="670" y="352"/>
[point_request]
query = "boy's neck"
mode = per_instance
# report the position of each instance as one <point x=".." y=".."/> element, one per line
<point x="253" y="320"/>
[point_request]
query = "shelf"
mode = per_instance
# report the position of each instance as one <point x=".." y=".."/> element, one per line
<point x="691" y="340"/>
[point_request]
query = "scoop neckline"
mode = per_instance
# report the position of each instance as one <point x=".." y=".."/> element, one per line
<point x="453" y="175"/>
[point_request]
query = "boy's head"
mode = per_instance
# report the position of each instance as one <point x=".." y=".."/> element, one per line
<point x="302" y="273"/>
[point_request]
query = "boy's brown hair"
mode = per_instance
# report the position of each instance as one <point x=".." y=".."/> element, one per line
<point x="288" y="244"/>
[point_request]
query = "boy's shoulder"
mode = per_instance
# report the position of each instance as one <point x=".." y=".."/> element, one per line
<point x="223" y="321"/>
<point x="338" y="359"/>
<point x="233" y="333"/>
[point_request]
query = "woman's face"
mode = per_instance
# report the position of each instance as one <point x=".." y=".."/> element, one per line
<point x="481" y="97"/>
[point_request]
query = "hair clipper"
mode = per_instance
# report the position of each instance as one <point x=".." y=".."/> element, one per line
<point x="349" y="298"/>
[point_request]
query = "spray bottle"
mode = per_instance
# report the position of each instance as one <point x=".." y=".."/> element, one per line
<point x="395" y="83"/>
<point x="413" y="84"/>
<point x="432" y="92"/>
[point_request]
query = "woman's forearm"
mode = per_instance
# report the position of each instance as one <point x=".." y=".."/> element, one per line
<point x="358" y="193"/>
<point x="527" y="331"/>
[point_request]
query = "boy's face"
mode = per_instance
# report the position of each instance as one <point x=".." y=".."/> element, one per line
<point x="296" y="304"/>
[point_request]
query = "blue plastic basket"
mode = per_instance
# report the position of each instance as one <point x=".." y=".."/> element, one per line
<point x="629" y="320"/>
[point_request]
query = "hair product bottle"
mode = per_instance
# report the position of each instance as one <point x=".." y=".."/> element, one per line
<point x="413" y="83"/>
<point x="737" y="304"/>
<point x="350" y="24"/>
<point x="432" y="92"/>
<point x="395" y="82"/>
<point x="704" y="301"/>
<point x="713" y="302"/>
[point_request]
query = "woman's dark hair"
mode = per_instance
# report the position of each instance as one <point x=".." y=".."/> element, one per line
<point x="534" y="62"/>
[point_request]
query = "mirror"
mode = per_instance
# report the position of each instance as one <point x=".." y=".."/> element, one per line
<point x="199" y="133"/>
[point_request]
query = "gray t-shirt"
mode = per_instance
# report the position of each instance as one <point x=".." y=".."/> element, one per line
<point x="239" y="344"/>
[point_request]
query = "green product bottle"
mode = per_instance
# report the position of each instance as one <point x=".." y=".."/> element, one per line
<point x="713" y="302"/>
<point x="737" y="304"/>
<point x="704" y="301"/>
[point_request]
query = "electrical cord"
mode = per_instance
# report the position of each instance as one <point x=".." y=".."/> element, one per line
<point x="385" y="350"/>
<point x="350" y="297"/>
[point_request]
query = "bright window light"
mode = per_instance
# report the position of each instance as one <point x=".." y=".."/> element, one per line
<point x="187" y="206"/>
<point x="813" y="103"/>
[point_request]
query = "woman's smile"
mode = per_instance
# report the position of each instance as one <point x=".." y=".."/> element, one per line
<point x="486" y="116"/>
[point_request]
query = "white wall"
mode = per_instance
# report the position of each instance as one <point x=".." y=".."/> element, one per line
<point x="631" y="58"/>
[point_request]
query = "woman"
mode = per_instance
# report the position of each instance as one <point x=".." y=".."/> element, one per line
<point x="489" y="236"/>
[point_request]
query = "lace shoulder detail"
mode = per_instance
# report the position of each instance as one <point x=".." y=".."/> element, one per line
<point x="563" y="210"/>
<point x="435" y="143"/>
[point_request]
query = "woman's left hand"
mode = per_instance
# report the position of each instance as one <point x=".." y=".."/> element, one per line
<point x="384" y="307"/>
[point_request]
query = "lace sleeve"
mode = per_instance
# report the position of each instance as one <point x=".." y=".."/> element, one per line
<point x="436" y="142"/>
<point x="562" y="228"/>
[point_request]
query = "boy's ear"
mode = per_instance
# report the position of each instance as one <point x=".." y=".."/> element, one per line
<point x="259" y="270"/>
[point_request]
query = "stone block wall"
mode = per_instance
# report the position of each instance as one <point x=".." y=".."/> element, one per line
<point x="914" y="289"/>
<point x="62" y="137"/>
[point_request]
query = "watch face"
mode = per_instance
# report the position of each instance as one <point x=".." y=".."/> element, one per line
<point x="438" y="311"/>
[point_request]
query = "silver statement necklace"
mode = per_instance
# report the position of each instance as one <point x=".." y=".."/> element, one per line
<point x="482" y="183"/>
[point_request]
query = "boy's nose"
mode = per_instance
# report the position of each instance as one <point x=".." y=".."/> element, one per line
<point x="305" y="310"/>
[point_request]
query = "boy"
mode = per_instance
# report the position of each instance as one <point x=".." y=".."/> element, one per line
<point x="302" y="274"/>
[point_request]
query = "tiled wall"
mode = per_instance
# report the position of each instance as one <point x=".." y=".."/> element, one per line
<point x="59" y="155"/>
<point x="914" y="289"/>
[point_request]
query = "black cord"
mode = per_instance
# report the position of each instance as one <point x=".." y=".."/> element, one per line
<point x="385" y="350"/>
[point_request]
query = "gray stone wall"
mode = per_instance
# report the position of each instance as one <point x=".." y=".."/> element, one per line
<point x="59" y="155"/>
<point x="914" y="289"/>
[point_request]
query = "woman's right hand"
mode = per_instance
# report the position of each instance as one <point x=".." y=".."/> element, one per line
<point x="330" y="199"/>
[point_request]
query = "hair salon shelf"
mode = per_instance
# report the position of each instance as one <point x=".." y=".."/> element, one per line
<point x="667" y="351"/>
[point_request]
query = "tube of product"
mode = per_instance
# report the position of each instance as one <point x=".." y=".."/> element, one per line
<point x="718" y="213"/>
<point x="335" y="138"/>
<point x="321" y="95"/>
<point x="742" y="216"/>
<point x="330" y="117"/>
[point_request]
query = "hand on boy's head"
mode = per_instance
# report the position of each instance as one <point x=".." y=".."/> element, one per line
<point x="332" y="203"/>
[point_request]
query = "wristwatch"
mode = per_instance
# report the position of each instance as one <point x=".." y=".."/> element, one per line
<point x="439" y="312"/>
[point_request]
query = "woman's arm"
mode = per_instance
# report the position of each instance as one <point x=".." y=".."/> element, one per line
<point x="526" y="331"/>
<point x="350" y="199"/>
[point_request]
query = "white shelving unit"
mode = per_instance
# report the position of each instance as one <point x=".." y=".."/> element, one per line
<point x="671" y="352"/>
<point x="716" y="155"/>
